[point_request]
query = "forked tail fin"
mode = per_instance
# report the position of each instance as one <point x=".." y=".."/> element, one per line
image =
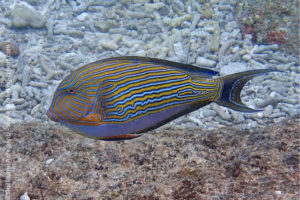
<point x="233" y="84"/>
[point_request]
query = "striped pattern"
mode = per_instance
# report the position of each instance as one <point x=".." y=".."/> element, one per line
<point x="118" y="91"/>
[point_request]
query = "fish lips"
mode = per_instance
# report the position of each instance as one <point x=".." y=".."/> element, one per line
<point x="51" y="116"/>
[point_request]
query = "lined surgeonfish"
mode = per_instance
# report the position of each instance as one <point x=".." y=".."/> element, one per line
<point x="123" y="97"/>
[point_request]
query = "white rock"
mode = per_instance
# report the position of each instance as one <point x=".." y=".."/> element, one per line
<point x="35" y="109"/>
<point x="116" y="37"/>
<point x="5" y="93"/>
<point x="177" y="21"/>
<point x="28" y="119"/>
<point x="200" y="33"/>
<point x="222" y="112"/>
<point x="230" y="26"/>
<point x="10" y="106"/>
<point x="238" y="117"/>
<point x="37" y="71"/>
<point x="247" y="57"/>
<point x="2" y="59"/>
<point x="49" y="161"/>
<point x="278" y="120"/>
<point x="285" y="67"/>
<point x="262" y="48"/>
<point x="154" y="6"/>
<point x="233" y="68"/>
<point x="252" y="124"/>
<point x="278" y="192"/>
<point x="82" y="17"/>
<point x="205" y="62"/>
<point x="25" y="196"/>
<point x="292" y="111"/>
<point x="196" y="120"/>
<point x="268" y="111"/>
<point x="235" y="33"/>
<point x="25" y="15"/>
<point x="215" y="39"/>
<point x="109" y="44"/>
<point x="260" y="115"/>
<point x="141" y="53"/>
<point x="178" y="49"/>
<point x="208" y="113"/>
<point x="6" y="120"/>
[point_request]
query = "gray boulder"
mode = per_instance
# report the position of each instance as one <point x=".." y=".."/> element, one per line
<point x="24" y="15"/>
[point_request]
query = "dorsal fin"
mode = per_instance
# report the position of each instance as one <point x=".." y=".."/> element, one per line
<point x="185" y="67"/>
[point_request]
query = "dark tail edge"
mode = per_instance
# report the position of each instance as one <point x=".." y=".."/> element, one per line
<point x="233" y="85"/>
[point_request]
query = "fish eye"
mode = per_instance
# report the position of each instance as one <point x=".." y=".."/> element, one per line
<point x="71" y="90"/>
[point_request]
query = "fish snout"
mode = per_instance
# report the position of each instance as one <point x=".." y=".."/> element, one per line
<point x="52" y="116"/>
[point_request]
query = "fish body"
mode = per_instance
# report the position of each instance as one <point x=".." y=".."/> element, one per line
<point x="122" y="97"/>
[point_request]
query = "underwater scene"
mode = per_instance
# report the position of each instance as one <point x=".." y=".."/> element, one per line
<point x="149" y="99"/>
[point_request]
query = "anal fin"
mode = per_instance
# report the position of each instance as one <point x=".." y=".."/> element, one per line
<point x="120" y="137"/>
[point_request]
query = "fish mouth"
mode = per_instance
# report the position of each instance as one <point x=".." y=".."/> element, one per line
<point x="51" y="116"/>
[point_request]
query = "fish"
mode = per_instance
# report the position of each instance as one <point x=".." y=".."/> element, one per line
<point x="121" y="98"/>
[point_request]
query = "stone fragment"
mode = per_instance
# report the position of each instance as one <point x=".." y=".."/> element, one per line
<point x="205" y="62"/>
<point x="9" y="48"/>
<point x="233" y="68"/>
<point x="76" y="33"/>
<point x="154" y="6"/>
<point x="25" y="196"/>
<point x="215" y="39"/>
<point x="196" y="120"/>
<point x="82" y="17"/>
<point x="177" y="21"/>
<point x="207" y="11"/>
<point x="109" y="44"/>
<point x="230" y="26"/>
<point x="222" y="112"/>
<point x="205" y="113"/>
<point x="49" y="161"/>
<point x="238" y="117"/>
<point x="104" y="26"/>
<point x="10" y="106"/>
<point x="285" y="67"/>
<point x="18" y="101"/>
<point x="292" y="111"/>
<point x="246" y="57"/>
<point x="178" y="49"/>
<point x="2" y="60"/>
<point x="24" y="15"/>
<point x="268" y="111"/>
<point x="262" y="48"/>
<point x="35" y="109"/>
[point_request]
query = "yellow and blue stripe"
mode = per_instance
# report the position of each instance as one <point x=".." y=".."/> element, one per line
<point x="127" y="95"/>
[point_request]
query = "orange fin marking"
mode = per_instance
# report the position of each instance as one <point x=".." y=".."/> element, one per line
<point x="121" y="137"/>
<point x="91" y="117"/>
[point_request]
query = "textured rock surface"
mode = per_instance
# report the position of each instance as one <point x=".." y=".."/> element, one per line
<point x="271" y="22"/>
<point x="52" y="163"/>
<point x="180" y="161"/>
